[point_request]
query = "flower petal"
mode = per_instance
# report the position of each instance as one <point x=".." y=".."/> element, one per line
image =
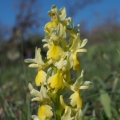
<point x="55" y="52"/>
<point x="62" y="14"/>
<point x="76" y="64"/>
<point x="44" y="111"/>
<point x="40" y="78"/>
<point x="76" y="42"/>
<point x="35" y="93"/>
<point x="83" y="43"/>
<point x="36" y="99"/>
<point x="37" y="60"/>
<point x="61" y="64"/>
<point x="35" y="117"/>
<point x="61" y="31"/>
<point x="76" y="85"/>
<point x="54" y="9"/>
<point x="76" y="100"/>
<point x="87" y="82"/>
<point x="78" y="115"/>
<point x="38" y="56"/>
<point x="67" y="114"/>
<point x="33" y="65"/>
<point x="81" y="50"/>
<point x="84" y="87"/>
<point x="30" y="87"/>
<point x="62" y="101"/>
<point x="56" y="81"/>
<point x="44" y="95"/>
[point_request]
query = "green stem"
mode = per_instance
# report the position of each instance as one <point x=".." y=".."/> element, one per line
<point x="57" y="106"/>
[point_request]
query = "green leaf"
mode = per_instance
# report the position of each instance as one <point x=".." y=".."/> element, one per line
<point x="85" y="108"/>
<point x="93" y="118"/>
<point x="106" y="101"/>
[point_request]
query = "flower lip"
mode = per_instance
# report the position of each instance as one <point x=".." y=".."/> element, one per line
<point x="53" y="14"/>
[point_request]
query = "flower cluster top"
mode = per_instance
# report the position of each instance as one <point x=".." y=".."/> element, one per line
<point x="63" y="42"/>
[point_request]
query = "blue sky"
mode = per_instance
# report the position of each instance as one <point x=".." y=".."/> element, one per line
<point x="101" y="9"/>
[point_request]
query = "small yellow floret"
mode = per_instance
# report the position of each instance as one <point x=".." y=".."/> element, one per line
<point x="56" y="81"/>
<point x="76" y="64"/>
<point x="76" y="100"/>
<point x="55" y="52"/>
<point x="44" y="111"/>
<point x="40" y="77"/>
<point x="50" y="25"/>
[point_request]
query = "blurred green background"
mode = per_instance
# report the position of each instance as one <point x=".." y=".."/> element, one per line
<point x="101" y="63"/>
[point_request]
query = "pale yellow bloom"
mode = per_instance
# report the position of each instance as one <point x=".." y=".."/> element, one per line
<point x="40" y="77"/>
<point x="44" y="111"/>
<point x="54" y="35"/>
<point x="37" y="61"/>
<point x="61" y="64"/>
<point x="67" y="112"/>
<point x="41" y="95"/>
<point x="76" y="100"/>
<point x="77" y="47"/>
<point x="56" y="81"/>
<point x="56" y="14"/>
<point x="60" y="16"/>
<point x="55" y="52"/>
<point x="75" y="97"/>
<point x="76" y="64"/>
<point x="54" y="25"/>
<point x="35" y="117"/>
<point x="78" y="115"/>
<point x="79" y="84"/>
<point x="50" y="26"/>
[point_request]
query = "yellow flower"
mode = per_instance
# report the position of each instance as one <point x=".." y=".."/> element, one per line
<point x="56" y="81"/>
<point x="78" y="115"/>
<point x="44" y="111"/>
<point x="76" y="99"/>
<point x="50" y="25"/>
<point x="76" y="64"/>
<point x="40" y="77"/>
<point x="55" y="52"/>
<point x="57" y="15"/>
<point x="41" y="95"/>
<point x="77" y="47"/>
<point x="37" y="61"/>
<point x="67" y="111"/>
<point x="61" y="64"/>
<point x="79" y="84"/>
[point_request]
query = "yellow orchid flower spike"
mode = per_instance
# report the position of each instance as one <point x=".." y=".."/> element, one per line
<point x="54" y="72"/>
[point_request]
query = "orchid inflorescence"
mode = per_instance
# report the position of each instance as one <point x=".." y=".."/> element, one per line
<point x="63" y="42"/>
